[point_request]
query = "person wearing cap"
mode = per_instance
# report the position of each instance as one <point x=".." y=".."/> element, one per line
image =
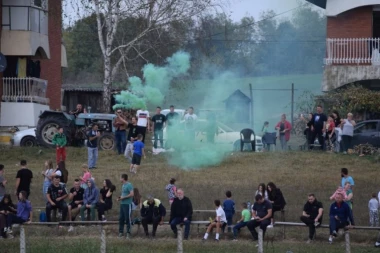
<point x="172" y="120"/>
<point x="171" y="189"/>
<point x="152" y="212"/>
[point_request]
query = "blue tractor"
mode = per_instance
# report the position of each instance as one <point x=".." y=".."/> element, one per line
<point x="75" y="128"/>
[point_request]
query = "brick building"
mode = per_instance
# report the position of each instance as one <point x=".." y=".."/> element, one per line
<point x="353" y="43"/>
<point x="31" y="40"/>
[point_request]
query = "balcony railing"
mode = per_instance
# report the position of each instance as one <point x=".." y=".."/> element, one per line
<point x="27" y="89"/>
<point x="350" y="51"/>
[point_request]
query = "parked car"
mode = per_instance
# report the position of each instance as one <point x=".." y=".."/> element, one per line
<point x="24" y="138"/>
<point x="367" y="132"/>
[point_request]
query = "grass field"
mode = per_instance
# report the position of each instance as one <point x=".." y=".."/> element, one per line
<point x="296" y="173"/>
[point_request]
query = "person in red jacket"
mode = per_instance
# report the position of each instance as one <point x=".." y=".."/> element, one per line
<point x="284" y="127"/>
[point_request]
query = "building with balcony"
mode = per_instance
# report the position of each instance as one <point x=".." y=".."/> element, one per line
<point x="353" y="43"/>
<point x="31" y="40"/>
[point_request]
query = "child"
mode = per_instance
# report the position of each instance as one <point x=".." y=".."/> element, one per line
<point x="172" y="189"/>
<point x="138" y="152"/>
<point x="86" y="176"/>
<point x="218" y="223"/>
<point x="6" y="208"/>
<point x="245" y="218"/>
<point x="60" y="141"/>
<point x="340" y="190"/>
<point x="3" y="182"/>
<point x="373" y="206"/>
<point x="24" y="213"/>
<point x="229" y="209"/>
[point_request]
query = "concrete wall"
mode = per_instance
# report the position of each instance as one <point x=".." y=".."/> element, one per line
<point x="337" y="76"/>
<point x="336" y="7"/>
<point x="21" y="114"/>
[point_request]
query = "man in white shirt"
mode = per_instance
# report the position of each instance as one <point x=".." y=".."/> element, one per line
<point x="142" y="122"/>
<point x="190" y="119"/>
<point x="220" y="220"/>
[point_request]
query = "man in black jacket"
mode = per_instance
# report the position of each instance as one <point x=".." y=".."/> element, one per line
<point x="152" y="211"/>
<point x="181" y="212"/>
<point x="312" y="215"/>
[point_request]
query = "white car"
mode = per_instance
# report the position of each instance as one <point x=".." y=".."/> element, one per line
<point x="24" y="138"/>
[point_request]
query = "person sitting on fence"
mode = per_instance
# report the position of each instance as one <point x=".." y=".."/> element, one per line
<point x="261" y="216"/>
<point x="56" y="199"/>
<point x="6" y="208"/>
<point x="76" y="198"/>
<point x="90" y="199"/>
<point x="105" y="201"/>
<point x="245" y="218"/>
<point x="24" y="213"/>
<point x="152" y="212"/>
<point x="312" y="215"/>
<point x="276" y="198"/>
<point x="218" y="223"/>
<point x="181" y="212"/>
<point x="340" y="216"/>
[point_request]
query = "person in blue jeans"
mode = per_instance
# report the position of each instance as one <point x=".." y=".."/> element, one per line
<point x="245" y="218"/>
<point x="229" y="209"/>
<point x="92" y="146"/>
<point x="24" y="213"/>
<point x="181" y="212"/>
<point x="90" y="199"/>
<point x="340" y="216"/>
<point x="120" y="125"/>
<point x="125" y="200"/>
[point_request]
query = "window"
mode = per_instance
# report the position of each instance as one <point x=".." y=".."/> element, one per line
<point x="368" y="127"/>
<point x="40" y="3"/>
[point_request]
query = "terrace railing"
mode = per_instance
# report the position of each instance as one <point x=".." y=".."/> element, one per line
<point x="28" y="89"/>
<point x="353" y="51"/>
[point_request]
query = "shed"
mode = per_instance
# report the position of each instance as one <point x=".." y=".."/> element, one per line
<point x="238" y="107"/>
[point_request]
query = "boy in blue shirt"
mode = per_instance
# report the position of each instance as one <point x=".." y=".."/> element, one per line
<point x="229" y="209"/>
<point x="138" y="152"/>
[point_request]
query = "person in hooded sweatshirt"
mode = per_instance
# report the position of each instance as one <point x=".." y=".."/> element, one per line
<point x="90" y="198"/>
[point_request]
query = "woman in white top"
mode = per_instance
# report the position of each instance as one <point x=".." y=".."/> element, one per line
<point x="347" y="126"/>
<point x="261" y="190"/>
<point x="47" y="174"/>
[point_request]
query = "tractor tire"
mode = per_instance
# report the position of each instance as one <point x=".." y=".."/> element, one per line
<point x="107" y="141"/>
<point x="48" y="127"/>
<point x="28" y="141"/>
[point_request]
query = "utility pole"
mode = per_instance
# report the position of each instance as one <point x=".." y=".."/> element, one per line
<point x="252" y="114"/>
<point x="292" y="110"/>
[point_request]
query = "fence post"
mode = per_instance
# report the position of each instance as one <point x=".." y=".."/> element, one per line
<point x="22" y="239"/>
<point x="179" y="240"/>
<point x="102" y="239"/>
<point x="347" y="239"/>
<point x="260" y="249"/>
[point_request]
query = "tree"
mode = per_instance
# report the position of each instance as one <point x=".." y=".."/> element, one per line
<point x="153" y="15"/>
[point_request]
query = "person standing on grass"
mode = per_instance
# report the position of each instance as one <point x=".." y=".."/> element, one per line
<point x="56" y="199"/>
<point x="277" y="200"/>
<point x="142" y="122"/>
<point x="172" y="122"/>
<point x="60" y="141"/>
<point x="24" y="213"/>
<point x="346" y="178"/>
<point x="138" y="152"/>
<point x="125" y="206"/>
<point x="105" y="201"/>
<point x="152" y="212"/>
<point x="120" y="125"/>
<point x="181" y="211"/>
<point x="284" y="127"/>
<point x="318" y="127"/>
<point x="47" y="174"/>
<point x="171" y="189"/>
<point x="158" y="126"/>
<point x="92" y="146"/>
<point x="90" y="199"/>
<point x="3" y="182"/>
<point x="261" y="216"/>
<point x="23" y="179"/>
<point x="340" y="216"/>
<point x="245" y="218"/>
<point x="85" y="177"/>
<point x="220" y="220"/>
<point x="347" y="126"/>
<point x="229" y="209"/>
<point x="349" y="193"/>
<point x="76" y="200"/>
<point x="312" y="215"/>
<point x="373" y="207"/>
<point x="132" y="136"/>
<point x="190" y="119"/>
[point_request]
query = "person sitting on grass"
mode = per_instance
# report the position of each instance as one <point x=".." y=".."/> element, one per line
<point x="152" y="212"/>
<point x="340" y="216"/>
<point x="245" y="218"/>
<point x="24" y="213"/>
<point x="105" y="201"/>
<point x="76" y="198"/>
<point x="312" y="215"/>
<point x="220" y="220"/>
<point x="138" y="152"/>
<point x="229" y="209"/>
<point x="90" y="199"/>
<point x="56" y="199"/>
<point x="6" y="208"/>
<point x="261" y="216"/>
